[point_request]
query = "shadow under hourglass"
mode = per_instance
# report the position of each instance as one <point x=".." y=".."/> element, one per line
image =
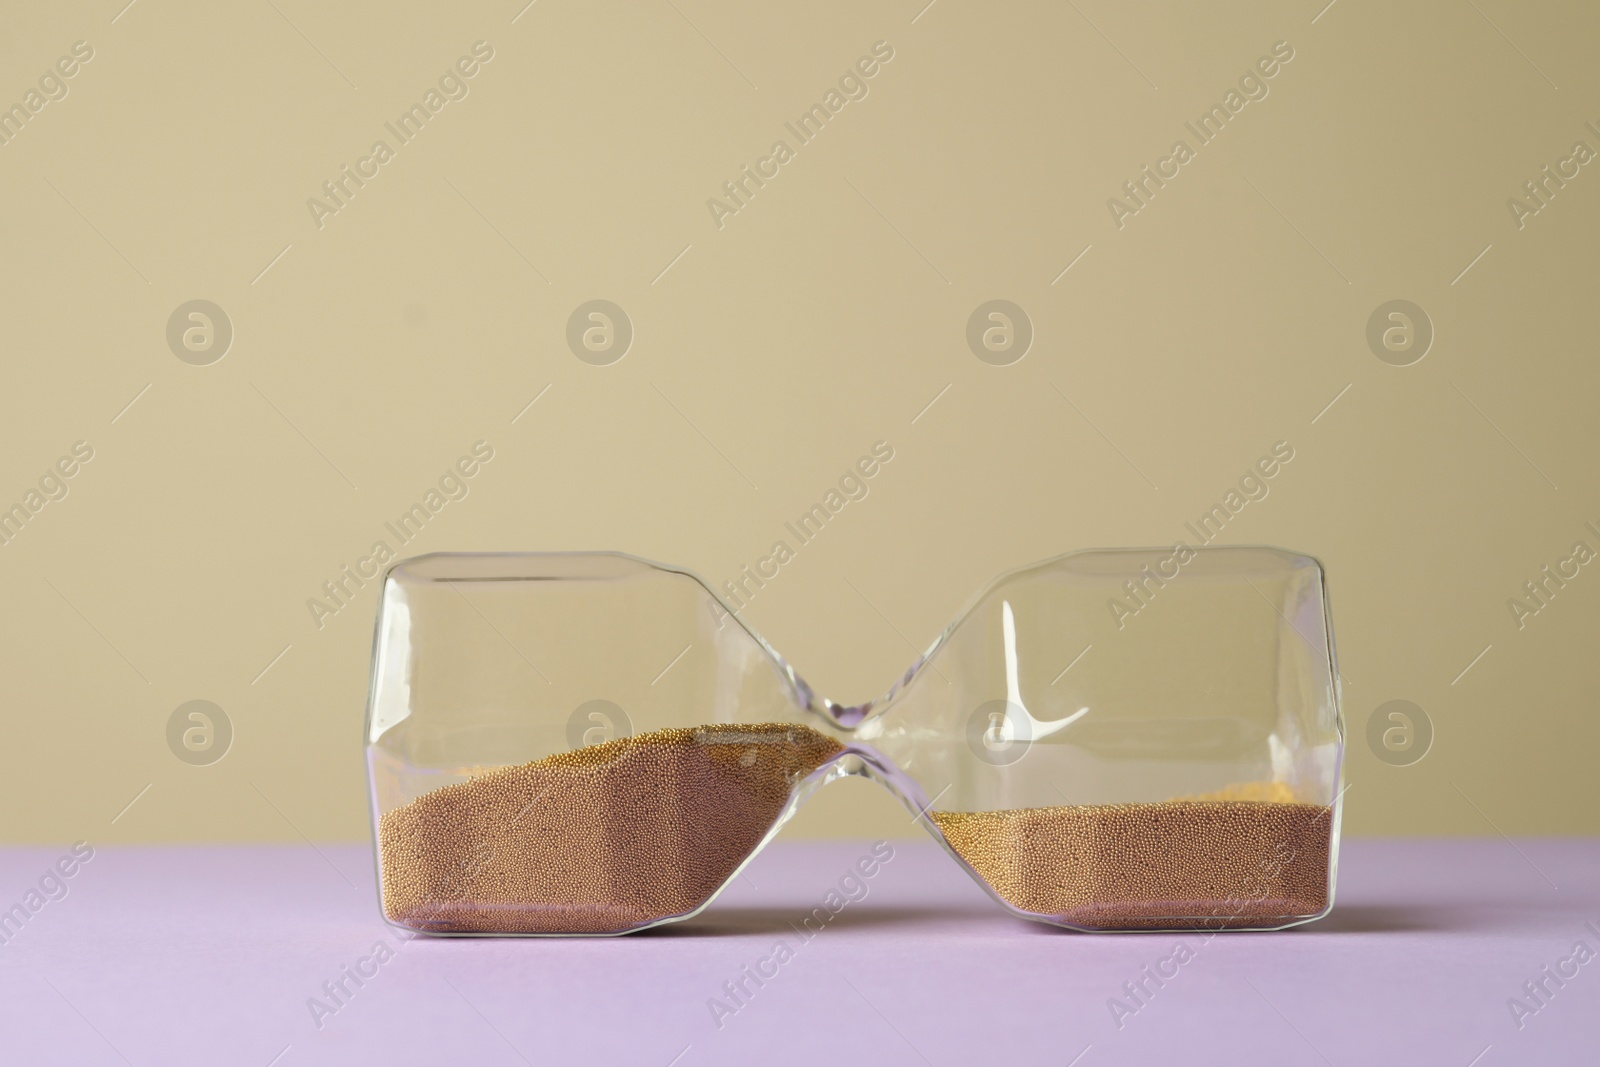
<point x="736" y="921"/>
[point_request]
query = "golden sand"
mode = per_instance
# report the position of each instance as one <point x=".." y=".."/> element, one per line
<point x="1178" y="864"/>
<point x="599" y="840"/>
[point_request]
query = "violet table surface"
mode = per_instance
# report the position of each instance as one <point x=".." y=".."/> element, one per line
<point x="209" y="955"/>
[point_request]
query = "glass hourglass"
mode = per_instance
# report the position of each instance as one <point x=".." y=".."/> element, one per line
<point x="591" y="743"/>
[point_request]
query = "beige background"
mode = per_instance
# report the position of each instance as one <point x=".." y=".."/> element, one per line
<point x="827" y="314"/>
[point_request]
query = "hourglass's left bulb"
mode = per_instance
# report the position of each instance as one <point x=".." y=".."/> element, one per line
<point x="580" y="743"/>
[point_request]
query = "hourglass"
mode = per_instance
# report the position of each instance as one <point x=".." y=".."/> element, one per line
<point x="591" y="743"/>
